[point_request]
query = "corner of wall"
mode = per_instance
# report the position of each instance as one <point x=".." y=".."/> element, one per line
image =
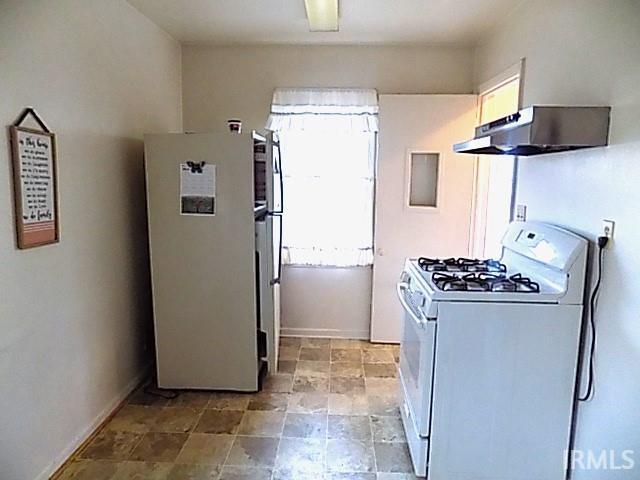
<point x="475" y="70"/>
<point x="181" y="89"/>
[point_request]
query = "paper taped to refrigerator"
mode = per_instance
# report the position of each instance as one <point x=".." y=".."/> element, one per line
<point x="197" y="188"/>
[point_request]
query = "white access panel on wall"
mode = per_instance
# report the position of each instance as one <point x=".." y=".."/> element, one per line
<point x="418" y="216"/>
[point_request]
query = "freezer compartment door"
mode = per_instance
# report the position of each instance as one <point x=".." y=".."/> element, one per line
<point x="277" y="181"/>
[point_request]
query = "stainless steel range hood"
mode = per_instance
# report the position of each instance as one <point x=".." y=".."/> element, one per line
<point x="541" y="129"/>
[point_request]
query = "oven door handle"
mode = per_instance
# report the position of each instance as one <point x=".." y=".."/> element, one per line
<point x="400" y="288"/>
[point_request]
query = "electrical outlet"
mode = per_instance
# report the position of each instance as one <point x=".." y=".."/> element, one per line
<point x="607" y="229"/>
<point x="521" y="213"/>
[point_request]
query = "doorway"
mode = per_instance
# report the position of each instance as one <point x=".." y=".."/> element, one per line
<point x="494" y="183"/>
<point x="423" y="193"/>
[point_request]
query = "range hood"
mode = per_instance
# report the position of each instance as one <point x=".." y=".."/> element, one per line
<point x="541" y="129"/>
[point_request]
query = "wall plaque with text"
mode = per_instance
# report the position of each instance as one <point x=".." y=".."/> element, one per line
<point x="35" y="185"/>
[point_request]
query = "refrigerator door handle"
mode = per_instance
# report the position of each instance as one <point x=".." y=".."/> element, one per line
<point x="277" y="169"/>
<point x="276" y="280"/>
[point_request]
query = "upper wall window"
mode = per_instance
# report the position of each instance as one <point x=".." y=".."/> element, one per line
<point x="423" y="179"/>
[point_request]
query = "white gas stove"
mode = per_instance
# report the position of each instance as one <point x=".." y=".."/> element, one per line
<point x="489" y="357"/>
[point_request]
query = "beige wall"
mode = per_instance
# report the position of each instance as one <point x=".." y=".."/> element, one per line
<point x="237" y="81"/>
<point x="326" y="302"/>
<point x="588" y="52"/>
<point x="228" y="82"/>
<point x="72" y="315"/>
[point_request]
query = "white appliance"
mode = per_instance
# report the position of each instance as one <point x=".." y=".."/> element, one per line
<point x="489" y="356"/>
<point x="210" y="212"/>
<point x="269" y="212"/>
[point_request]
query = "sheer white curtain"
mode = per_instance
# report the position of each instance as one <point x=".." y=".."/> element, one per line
<point x="328" y="152"/>
<point x="353" y="110"/>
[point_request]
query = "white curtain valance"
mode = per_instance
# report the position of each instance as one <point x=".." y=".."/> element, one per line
<point x="308" y="108"/>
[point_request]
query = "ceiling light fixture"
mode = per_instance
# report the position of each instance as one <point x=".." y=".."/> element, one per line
<point x="322" y="15"/>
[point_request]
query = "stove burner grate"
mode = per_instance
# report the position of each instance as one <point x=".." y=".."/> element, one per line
<point x="460" y="265"/>
<point x="485" y="282"/>
<point x="525" y="283"/>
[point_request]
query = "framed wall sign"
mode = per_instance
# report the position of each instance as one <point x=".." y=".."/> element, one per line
<point x="33" y="153"/>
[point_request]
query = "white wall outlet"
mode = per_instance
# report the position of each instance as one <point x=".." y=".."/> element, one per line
<point x="521" y="213"/>
<point x="607" y="229"/>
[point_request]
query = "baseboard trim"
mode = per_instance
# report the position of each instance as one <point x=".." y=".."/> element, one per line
<point x="55" y="468"/>
<point x="324" y="333"/>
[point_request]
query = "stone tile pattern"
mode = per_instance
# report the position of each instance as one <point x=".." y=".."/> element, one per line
<point x="330" y="413"/>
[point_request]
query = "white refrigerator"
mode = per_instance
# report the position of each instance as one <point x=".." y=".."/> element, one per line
<point x="209" y="204"/>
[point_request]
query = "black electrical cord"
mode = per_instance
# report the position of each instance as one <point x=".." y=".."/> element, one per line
<point x="151" y="388"/>
<point x="602" y="242"/>
<point x="158" y="392"/>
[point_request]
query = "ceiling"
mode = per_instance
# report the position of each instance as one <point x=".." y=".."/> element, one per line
<point x="361" y="21"/>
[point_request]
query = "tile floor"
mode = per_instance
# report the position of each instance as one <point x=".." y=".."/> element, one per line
<point x="331" y="413"/>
